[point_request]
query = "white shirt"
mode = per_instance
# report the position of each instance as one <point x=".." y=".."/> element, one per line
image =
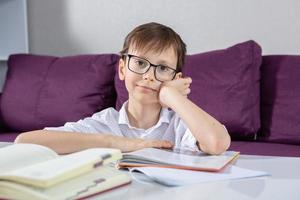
<point x="169" y="127"/>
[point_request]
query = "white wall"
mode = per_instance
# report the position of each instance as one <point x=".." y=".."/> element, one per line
<point x="68" y="27"/>
<point x="64" y="27"/>
<point x="13" y="24"/>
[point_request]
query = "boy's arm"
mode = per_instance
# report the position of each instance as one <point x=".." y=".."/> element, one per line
<point x="69" y="142"/>
<point x="211" y="135"/>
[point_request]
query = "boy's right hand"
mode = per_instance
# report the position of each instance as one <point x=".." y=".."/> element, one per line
<point x="133" y="144"/>
<point x="169" y="90"/>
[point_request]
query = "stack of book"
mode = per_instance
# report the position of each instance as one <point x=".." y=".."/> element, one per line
<point x="30" y="171"/>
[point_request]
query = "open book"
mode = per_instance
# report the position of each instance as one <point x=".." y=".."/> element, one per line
<point x="30" y="171"/>
<point x="40" y="166"/>
<point x="177" y="158"/>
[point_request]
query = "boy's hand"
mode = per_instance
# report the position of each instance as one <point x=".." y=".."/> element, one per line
<point x="180" y="86"/>
<point x="133" y="144"/>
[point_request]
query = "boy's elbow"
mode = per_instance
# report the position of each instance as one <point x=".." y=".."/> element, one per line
<point x="221" y="147"/>
<point x="216" y="146"/>
<point x="221" y="143"/>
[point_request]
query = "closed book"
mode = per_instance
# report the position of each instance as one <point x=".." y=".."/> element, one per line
<point x="92" y="183"/>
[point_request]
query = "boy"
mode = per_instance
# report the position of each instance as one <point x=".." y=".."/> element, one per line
<point x="150" y="66"/>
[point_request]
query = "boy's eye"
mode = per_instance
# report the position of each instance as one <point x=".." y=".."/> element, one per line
<point x="140" y="63"/>
<point x="163" y="68"/>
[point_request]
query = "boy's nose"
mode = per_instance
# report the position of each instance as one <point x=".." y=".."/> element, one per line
<point x="149" y="75"/>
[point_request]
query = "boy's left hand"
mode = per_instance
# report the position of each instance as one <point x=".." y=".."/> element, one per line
<point x="170" y="89"/>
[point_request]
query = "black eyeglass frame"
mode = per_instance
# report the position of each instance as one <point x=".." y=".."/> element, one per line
<point x="151" y="65"/>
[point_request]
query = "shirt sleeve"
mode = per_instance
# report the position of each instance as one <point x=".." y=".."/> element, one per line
<point x="183" y="136"/>
<point x="95" y="124"/>
<point x="188" y="141"/>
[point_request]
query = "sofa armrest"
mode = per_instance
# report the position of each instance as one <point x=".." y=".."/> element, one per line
<point x="4" y="130"/>
<point x="2" y="126"/>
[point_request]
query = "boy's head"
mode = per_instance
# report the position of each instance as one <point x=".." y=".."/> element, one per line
<point x="152" y="54"/>
<point x="157" y="38"/>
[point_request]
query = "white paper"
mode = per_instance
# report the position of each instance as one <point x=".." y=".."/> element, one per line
<point x="177" y="177"/>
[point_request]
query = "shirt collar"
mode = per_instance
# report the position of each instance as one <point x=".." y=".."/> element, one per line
<point x="164" y="117"/>
<point x="123" y="118"/>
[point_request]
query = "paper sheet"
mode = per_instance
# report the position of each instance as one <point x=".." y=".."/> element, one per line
<point x="177" y="177"/>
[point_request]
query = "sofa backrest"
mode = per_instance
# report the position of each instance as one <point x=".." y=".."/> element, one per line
<point x="45" y="91"/>
<point x="255" y="101"/>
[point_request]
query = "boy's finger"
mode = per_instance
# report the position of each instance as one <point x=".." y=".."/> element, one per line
<point x="188" y="91"/>
<point x="188" y="80"/>
<point x="167" y="144"/>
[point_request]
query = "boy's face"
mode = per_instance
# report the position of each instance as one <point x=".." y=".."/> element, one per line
<point x="145" y="87"/>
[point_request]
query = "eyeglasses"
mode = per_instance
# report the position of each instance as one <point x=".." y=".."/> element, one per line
<point x="141" y="66"/>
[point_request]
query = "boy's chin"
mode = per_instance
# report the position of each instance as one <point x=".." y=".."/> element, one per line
<point x="146" y="99"/>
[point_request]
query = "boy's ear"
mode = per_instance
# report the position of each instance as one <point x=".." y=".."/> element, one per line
<point x="178" y="75"/>
<point x="121" y="69"/>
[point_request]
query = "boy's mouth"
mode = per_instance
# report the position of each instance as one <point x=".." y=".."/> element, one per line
<point x="147" y="88"/>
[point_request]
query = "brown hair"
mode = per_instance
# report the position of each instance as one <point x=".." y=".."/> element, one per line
<point x="158" y="37"/>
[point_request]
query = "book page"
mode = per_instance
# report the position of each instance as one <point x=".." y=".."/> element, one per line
<point x="184" y="158"/>
<point x="21" y="155"/>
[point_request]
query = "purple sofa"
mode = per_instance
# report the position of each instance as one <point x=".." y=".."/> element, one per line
<point x="257" y="97"/>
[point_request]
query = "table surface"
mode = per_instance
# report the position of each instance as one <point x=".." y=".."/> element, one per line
<point x="284" y="183"/>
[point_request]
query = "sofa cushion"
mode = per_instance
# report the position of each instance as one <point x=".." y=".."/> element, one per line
<point x="265" y="148"/>
<point x="48" y="91"/>
<point x="280" y="96"/>
<point x="225" y="84"/>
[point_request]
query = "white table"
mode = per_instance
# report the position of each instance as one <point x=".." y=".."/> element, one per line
<point x="284" y="183"/>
